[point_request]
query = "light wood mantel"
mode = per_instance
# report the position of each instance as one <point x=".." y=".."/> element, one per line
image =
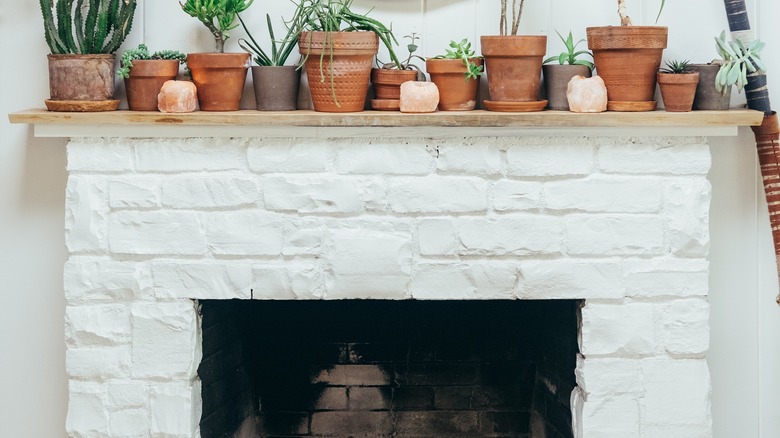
<point x="248" y="123"/>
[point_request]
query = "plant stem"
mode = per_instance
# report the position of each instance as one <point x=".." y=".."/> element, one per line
<point x="625" y="20"/>
<point x="517" y="14"/>
<point x="502" y="27"/>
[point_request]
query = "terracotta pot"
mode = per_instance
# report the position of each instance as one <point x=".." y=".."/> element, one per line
<point x="338" y="65"/>
<point x="276" y="87"/>
<point x="387" y="82"/>
<point x="556" y="83"/>
<point x="707" y="95"/>
<point x="456" y="93"/>
<point x="514" y="66"/>
<point x="220" y="78"/>
<point x="147" y="77"/>
<point x="628" y="58"/>
<point x="678" y="90"/>
<point x="81" y="77"/>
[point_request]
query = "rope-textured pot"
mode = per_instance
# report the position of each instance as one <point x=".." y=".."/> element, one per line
<point x="338" y="66"/>
<point x="768" y="145"/>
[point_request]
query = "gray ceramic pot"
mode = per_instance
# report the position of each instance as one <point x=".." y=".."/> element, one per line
<point x="276" y="88"/>
<point x="556" y="82"/>
<point x="707" y="95"/>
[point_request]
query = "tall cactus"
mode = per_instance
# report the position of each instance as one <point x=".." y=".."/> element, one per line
<point x="102" y="30"/>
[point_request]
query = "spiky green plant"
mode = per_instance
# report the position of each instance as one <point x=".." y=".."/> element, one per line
<point x="677" y="67"/>
<point x="219" y="16"/>
<point x="570" y="56"/>
<point x="142" y="52"/>
<point x="86" y="26"/>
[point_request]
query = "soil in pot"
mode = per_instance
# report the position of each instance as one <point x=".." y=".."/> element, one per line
<point x="707" y="95"/>
<point x="678" y="90"/>
<point x="276" y="87"/>
<point x="513" y="65"/>
<point x="81" y="83"/>
<point x="338" y="66"/>
<point x="556" y="83"/>
<point x="220" y="79"/>
<point x="387" y="87"/>
<point x="456" y="93"/>
<point x="147" y="77"/>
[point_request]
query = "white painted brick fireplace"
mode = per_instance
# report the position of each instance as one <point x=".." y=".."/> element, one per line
<point x="155" y="224"/>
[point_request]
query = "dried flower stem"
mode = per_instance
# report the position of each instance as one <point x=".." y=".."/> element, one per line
<point x="625" y="20"/>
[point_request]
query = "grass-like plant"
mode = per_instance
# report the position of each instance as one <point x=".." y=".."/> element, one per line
<point x="142" y="53"/>
<point x="219" y="16"/>
<point x="570" y="56"/>
<point x="86" y="26"/>
<point x="739" y="59"/>
<point x="280" y="49"/>
<point x="462" y="50"/>
<point x="625" y="20"/>
<point x="677" y="67"/>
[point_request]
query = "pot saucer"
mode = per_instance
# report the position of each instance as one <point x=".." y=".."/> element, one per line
<point x="83" y="106"/>
<point x="386" y="104"/>
<point x="518" y="107"/>
<point x="626" y="106"/>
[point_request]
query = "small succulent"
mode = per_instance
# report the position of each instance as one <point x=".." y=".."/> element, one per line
<point x="406" y="64"/>
<point x="677" y="67"/>
<point x="739" y="59"/>
<point x="571" y="53"/>
<point x="142" y="52"/>
<point x="462" y="50"/>
<point x="219" y="16"/>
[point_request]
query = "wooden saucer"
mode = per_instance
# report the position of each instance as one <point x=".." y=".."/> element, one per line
<point x="515" y="107"/>
<point x="81" y="106"/>
<point x="631" y="107"/>
<point x="386" y="104"/>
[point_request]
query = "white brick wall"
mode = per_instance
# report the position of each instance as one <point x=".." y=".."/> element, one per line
<point x="620" y="223"/>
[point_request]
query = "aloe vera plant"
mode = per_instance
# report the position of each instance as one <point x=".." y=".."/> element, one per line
<point x="571" y="55"/>
<point x="86" y="26"/>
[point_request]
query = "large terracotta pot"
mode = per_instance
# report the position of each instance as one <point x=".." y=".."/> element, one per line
<point x="456" y="93"/>
<point x="81" y="83"/>
<point x="678" y="90"/>
<point x="628" y="58"/>
<point x="707" y="95"/>
<point x="338" y="66"/>
<point x="556" y="83"/>
<point x="276" y="87"/>
<point x="514" y="66"/>
<point x="147" y="77"/>
<point x="220" y="78"/>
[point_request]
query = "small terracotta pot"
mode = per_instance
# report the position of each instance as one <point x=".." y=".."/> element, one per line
<point x="456" y="93"/>
<point x="514" y="66"/>
<point x="387" y="82"/>
<point x="556" y="83"/>
<point x="276" y="87"/>
<point x="678" y="90"/>
<point x="81" y="77"/>
<point x="220" y="78"/>
<point x="338" y="66"/>
<point x="707" y="95"/>
<point x="147" y="77"/>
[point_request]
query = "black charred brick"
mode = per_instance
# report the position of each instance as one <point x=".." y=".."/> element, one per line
<point x="437" y="374"/>
<point x="413" y="397"/>
<point x="343" y="424"/>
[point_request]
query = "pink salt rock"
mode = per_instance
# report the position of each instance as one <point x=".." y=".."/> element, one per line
<point x="419" y="97"/>
<point x="177" y="97"/>
<point x="587" y="95"/>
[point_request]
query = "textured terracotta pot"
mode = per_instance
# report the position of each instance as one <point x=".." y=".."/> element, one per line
<point x="147" y="77"/>
<point x="220" y="78"/>
<point x="514" y="66"/>
<point x="707" y="95"/>
<point x="81" y="77"/>
<point x="276" y="87"/>
<point x="628" y="58"/>
<point x="678" y="90"/>
<point x="338" y="66"/>
<point x="456" y="93"/>
<point x="387" y="82"/>
<point x="556" y="83"/>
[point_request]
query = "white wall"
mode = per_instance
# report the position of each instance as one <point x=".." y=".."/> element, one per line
<point x="745" y="321"/>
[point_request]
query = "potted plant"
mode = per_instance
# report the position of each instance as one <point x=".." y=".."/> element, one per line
<point x="739" y="60"/>
<point x="678" y="85"/>
<point x="456" y="74"/>
<point x="81" y="63"/>
<point x="339" y="46"/>
<point x="514" y="63"/>
<point x="387" y="79"/>
<point x="708" y="97"/>
<point x="628" y="57"/>
<point x="145" y="73"/>
<point x="219" y="76"/>
<point x="557" y="76"/>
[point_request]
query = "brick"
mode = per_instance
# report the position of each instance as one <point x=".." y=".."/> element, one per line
<point x="283" y="424"/>
<point x="511" y="235"/>
<point x="436" y="423"/>
<point x="165" y="340"/>
<point x="611" y="417"/>
<point x="156" y="233"/>
<point x="332" y="399"/>
<point x="384" y="157"/>
<point x="604" y="194"/>
<point x="687" y="213"/>
<point x="516" y="195"/>
<point x="97" y="325"/>
<point x="611" y="329"/>
<point x="98" y="363"/>
<point x="99" y="155"/>
<point x="463" y="281"/>
<point x="313" y="194"/>
<point x="614" y="235"/>
<point x="608" y="377"/>
<point x="672" y="157"/>
<point x="437" y="374"/>
<point x="347" y="375"/>
<point x="413" y="397"/>
<point x="179" y="155"/>
<point x="124" y="394"/>
<point x="86" y="210"/>
<point x="682" y="430"/>
<point x="138" y="192"/>
<point x="570" y="279"/>
<point x="305" y="281"/>
<point x="677" y="393"/>
<point x="685" y="326"/>
<point x="369" y="399"/>
<point x="352" y="423"/>
<point x="438" y="237"/>
<point x="291" y="155"/>
<point x="87" y="414"/>
<point x="546" y="160"/>
<point x="129" y="424"/>
<point x="209" y="192"/>
<point x="202" y="280"/>
<point x="242" y="233"/>
<point x="481" y="159"/>
<point x="307" y="241"/>
<point x="90" y="280"/>
<point x="437" y="195"/>
<point x="666" y="278"/>
<point x="173" y="408"/>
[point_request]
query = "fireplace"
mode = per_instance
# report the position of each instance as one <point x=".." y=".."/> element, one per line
<point x="613" y="229"/>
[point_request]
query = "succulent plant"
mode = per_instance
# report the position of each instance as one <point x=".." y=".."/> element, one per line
<point x="142" y="52"/>
<point x="219" y="16"/>
<point x="570" y="56"/>
<point x="86" y="26"/>
<point x="462" y="50"/>
<point x="677" y="67"/>
<point x="739" y="59"/>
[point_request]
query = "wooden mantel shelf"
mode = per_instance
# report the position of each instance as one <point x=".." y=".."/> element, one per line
<point x="308" y="123"/>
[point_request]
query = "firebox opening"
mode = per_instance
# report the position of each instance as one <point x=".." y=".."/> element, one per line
<point x="388" y="368"/>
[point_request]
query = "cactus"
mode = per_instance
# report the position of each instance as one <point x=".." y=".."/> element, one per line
<point x="102" y="30"/>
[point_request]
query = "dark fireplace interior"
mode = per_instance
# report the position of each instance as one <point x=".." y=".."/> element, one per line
<point x="388" y="368"/>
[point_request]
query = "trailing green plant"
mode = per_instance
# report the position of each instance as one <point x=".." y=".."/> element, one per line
<point x="219" y="16"/>
<point x="142" y="53"/>
<point x="625" y="20"/>
<point x="570" y="56"/>
<point x="406" y="64"/>
<point x="739" y="59"/>
<point x="280" y="50"/>
<point x="86" y="26"/>
<point x="677" y="67"/>
<point x="462" y="50"/>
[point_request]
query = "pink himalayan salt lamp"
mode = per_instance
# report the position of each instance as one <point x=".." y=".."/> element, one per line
<point x="177" y="97"/>
<point x="419" y="97"/>
<point x="587" y="95"/>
